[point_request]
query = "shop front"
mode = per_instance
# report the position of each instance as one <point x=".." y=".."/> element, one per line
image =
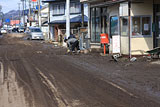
<point x="135" y="36"/>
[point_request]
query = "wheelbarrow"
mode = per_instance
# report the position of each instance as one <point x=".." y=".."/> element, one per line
<point x="154" y="52"/>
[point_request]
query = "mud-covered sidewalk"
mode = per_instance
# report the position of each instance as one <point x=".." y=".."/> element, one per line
<point x="141" y="77"/>
<point x="39" y="74"/>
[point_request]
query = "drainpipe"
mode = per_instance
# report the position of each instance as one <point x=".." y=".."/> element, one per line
<point x="67" y="18"/>
<point x="129" y="27"/>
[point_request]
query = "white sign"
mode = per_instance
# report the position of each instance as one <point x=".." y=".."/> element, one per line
<point x="146" y="27"/>
<point x="116" y="43"/>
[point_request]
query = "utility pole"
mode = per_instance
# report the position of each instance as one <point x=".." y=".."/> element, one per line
<point x="129" y="27"/>
<point x="68" y="18"/>
<point x="39" y="12"/>
<point x="23" y="12"/>
<point x="19" y="13"/>
<point x="33" y="12"/>
<point x="29" y="13"/>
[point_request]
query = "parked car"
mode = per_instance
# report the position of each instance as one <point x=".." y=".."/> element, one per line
<point x="15" y="30"/>
<point x="3" y="31"/>
<point x="34" y="33"/>
<point x="21" y="30"/>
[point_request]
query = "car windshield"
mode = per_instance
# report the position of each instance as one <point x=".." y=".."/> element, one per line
<point x="35" y="30"/>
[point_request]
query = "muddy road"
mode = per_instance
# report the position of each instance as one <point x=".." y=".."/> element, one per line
<point x="37" y="74"/>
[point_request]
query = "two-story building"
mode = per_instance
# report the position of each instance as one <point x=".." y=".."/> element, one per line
<point x="57" y="18"/>
<point x="133" y="25"/>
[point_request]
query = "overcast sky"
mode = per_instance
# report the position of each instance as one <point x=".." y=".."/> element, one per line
<point x="8" y="5"/>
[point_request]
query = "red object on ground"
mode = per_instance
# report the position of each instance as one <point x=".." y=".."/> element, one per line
<point x="104" y="40"/>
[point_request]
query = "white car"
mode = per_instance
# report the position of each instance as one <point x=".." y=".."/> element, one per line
<point x="3" y="31"/>
<point x="34" y="33"/>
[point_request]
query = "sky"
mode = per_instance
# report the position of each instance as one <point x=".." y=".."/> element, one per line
<point x="8" y="5"/>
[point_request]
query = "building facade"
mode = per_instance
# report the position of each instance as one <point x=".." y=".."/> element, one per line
<point x="57" y="18"/>
<point x="133" y="25"/>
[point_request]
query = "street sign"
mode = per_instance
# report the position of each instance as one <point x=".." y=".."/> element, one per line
<point x="7" y="20"/>
<point x="37" y="7"/>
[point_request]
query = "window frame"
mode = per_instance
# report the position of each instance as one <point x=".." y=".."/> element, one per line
<point x="59" y="5"/>
<point x="141" y="26"/>
<point x="76" y="3"/>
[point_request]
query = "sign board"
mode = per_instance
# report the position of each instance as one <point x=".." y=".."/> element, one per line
<point x="7" y="20"/>
<point x="116" y="43"/>
<point x="37" y="7"/>
<point x="0" y="23"/>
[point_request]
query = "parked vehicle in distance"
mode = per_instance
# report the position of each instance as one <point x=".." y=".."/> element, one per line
<point x="15" y="30"/>
<point x="21" y="30"/>
<point x="3" y="31"/>
<point x="34" y="33"/>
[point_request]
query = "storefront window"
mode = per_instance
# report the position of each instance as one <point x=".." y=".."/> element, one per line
<point x="104" y="20"/>
<point x="98" y="23"/>
<point x="136" y="29"/>
<point x="141" y="26"/>
<point x="114" y="25"/>
<point x="146" y="26"/>
<point x="124" y="26"/>
<point x="93" y="24"/>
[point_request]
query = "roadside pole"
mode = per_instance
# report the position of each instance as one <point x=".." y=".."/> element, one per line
<point x="39" y="13"/>
<point x="129" y="27"/>
<point x="68" y="18"/>
<point x="29" y="13"/>
<point x="24" y="9"/>
<point x="19" y="13"/>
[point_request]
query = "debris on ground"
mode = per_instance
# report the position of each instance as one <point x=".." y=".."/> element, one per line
<point x="133" y="59"/>
<point x="39" y="52"/>
<point x="116" y="56"/>
<point x="156" y="62"/>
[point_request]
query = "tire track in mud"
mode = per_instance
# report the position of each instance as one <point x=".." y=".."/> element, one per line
<point x="1" y="73"/>
<point x="12" y="94"/>
<point x="60" y="101"/>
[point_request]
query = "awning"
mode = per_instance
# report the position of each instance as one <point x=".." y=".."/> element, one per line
<point x="46" y="1"/>
<point x="45" y="22"/>
<point x="77" y="19"/>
